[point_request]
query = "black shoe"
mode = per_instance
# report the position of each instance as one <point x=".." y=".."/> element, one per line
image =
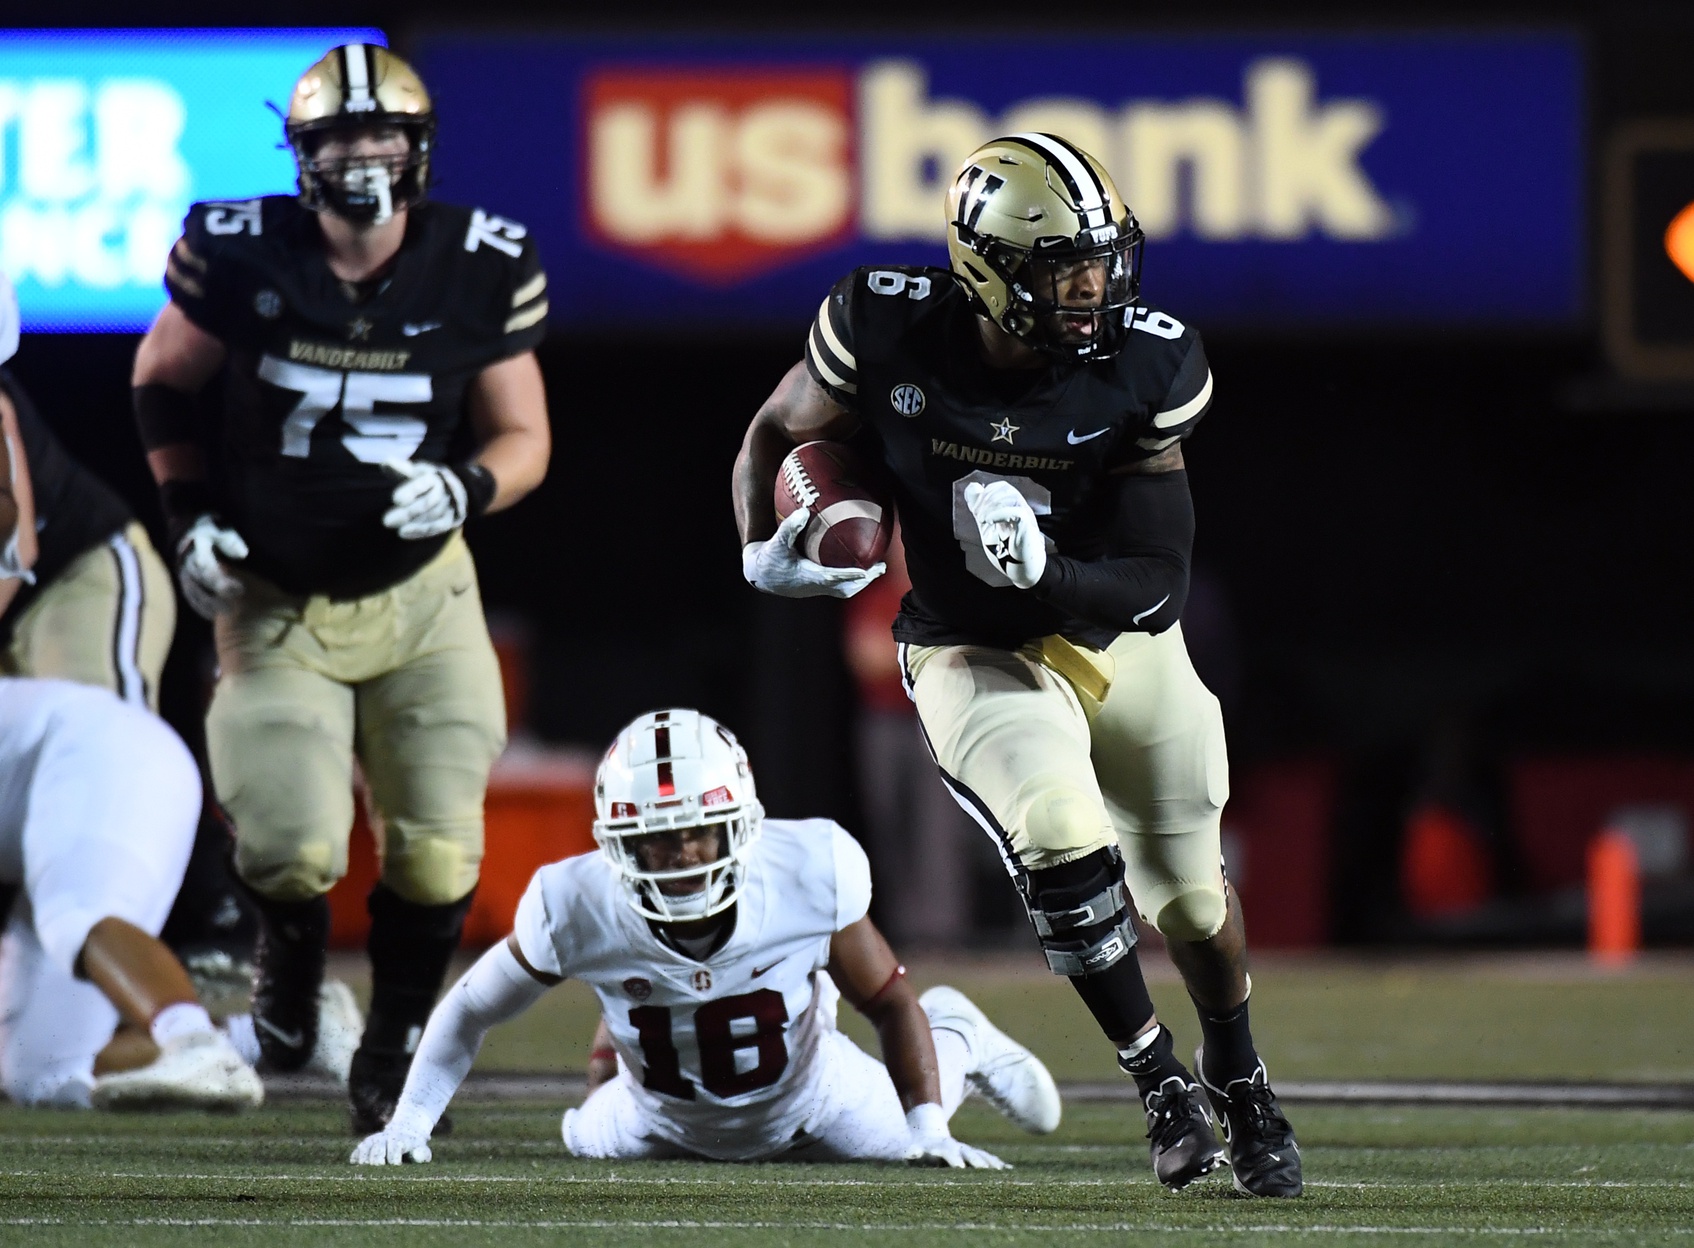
<point x="1179" y="1131"/>
<point x="1262" y="1151"/>
<point x="374" y="1085"/>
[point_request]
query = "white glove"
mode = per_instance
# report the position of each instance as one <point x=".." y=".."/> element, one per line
<point x="932" y="1144"/>
<point x="1009" y="532"/>
<point x="209" y="589"/>
<point x="404" y="1141"/>
<point x="777" y="567"/>
<point x="429" y="500"/>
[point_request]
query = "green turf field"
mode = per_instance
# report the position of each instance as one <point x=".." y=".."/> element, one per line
<point x="1375" y="1175"/>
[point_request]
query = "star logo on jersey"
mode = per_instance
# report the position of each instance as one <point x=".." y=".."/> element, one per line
<point x="1003" y="430"/>
<point x="639" y="989"/>
<point x="359" y="329"/>
<point x="702" y="980"/>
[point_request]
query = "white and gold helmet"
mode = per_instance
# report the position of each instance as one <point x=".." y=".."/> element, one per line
<point x="360" y="86"/>
<point x="672" y="771"/>
<point x="1041" y="241"/>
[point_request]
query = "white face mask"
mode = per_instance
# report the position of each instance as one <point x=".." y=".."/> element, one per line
<point x="373" y="180"/>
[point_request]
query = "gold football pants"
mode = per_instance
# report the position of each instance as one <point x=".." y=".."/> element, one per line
<point x="105" y="620"/>
<point x="1056" y="749"/>
<point x="407" y="680"/>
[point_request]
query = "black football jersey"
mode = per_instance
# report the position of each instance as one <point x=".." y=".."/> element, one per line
<point x="900" y="347"/>
<point x="75" y="510"/>
<point x="322" y="386"/>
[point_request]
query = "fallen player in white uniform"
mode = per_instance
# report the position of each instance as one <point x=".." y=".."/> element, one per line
<point x="703" y="929"/>
<point x="98" y="803"/>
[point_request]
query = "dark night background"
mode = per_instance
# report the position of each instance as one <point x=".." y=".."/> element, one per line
<point x="1408" y="540"/>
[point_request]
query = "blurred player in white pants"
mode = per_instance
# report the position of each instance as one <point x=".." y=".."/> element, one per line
<point x="98" y="803"/>
<point x="703" y="930"/>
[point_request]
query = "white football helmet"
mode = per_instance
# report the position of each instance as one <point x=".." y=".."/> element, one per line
<point x="668" y="771"/>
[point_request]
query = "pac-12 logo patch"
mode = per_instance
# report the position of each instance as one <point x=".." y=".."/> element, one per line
<point x="702" y="980"/>
<point x="638" y="988"/>
<point x="906" y="399"/>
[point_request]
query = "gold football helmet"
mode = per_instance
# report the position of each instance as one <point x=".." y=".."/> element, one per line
<point x="360" y="86"/>
<point x="1041" y="241"/>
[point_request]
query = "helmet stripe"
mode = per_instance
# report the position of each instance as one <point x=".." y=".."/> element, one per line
<point x="356" y="71"/>
<point x="1078" y="175"/>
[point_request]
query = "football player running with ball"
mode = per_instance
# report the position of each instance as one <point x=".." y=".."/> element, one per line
<point x="705" y="929"/>
<point x="306" y="399"/>
<point x="1030" y="411"/>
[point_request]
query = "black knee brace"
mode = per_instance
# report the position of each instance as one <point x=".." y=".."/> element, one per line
<point x="410" y="946"/>
<point x="1081" y="913"/>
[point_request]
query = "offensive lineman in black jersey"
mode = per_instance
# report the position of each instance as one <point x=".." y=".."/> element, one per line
<point x="1030" y="411"/>
<point x="93" y="601"/>
<point x="339" y="382"/>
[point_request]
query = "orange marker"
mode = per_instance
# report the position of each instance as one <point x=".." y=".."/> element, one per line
<point x="1614" y="899"/>
<point x="1679" y="241"/>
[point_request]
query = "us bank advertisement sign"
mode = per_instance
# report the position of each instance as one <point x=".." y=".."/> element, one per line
<point x="1372" y="180"/>
<point x="106" y="137"/>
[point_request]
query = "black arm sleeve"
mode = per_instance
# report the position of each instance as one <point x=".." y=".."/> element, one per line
<point x="1142" y="583"/>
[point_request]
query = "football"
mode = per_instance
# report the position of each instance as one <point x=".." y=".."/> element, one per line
<point x="852" y="513"/>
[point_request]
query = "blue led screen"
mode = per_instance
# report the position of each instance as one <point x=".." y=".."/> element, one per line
<point x="106" y="137"/>
<point x="1388" y="179"/>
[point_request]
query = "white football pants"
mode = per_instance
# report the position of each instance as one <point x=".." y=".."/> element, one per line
<point x="861" y="1118"/>
<point x="113" y="804"/>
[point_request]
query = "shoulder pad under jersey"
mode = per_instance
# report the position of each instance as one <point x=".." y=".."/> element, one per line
<point x="863" y="314"/>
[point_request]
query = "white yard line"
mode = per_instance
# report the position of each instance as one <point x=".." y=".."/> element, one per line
<point x="1161" y="1227"/>
<point x="416" y="1174"/>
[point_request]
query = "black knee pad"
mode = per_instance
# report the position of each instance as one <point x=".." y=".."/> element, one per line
<point x="410" y="946"/>
<point x="1081" y="913"/>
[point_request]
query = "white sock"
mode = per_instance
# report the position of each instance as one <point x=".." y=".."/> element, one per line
<point x="185" y="1018"/>
<point x="239" y="1029"/>
<point x="954" y="1059"/>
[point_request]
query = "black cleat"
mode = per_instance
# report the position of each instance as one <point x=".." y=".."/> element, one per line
<point x="1262" y="1151"/>
<point x="373" y="1090"/>
<point x="1179" y="1133"/>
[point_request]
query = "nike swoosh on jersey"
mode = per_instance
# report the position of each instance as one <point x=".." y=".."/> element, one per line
<point x="422" y="327"/>
<point x="1087" y="437"/>
<point x="1149" y="611"/>
<point x="760" y="970"/>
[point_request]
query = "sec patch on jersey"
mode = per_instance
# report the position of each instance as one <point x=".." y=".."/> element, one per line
<point x="852" y="512"/>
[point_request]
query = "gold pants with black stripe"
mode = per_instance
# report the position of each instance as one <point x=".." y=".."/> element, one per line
<point x="407" y="680"/>
<point x="107" y="619"/>
<point x="1059" y="749"/>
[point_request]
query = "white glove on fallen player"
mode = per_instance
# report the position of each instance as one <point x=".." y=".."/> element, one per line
<point x="777" y="566"/>
<point x="1009" y="531"/>
<point x="429" y="500"/>
<point x="932" y="1144"/>
<point x="210" y="589"/>
<point x="404" y="1141"/>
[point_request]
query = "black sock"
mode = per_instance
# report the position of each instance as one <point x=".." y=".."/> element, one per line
<point x="288" y="970"/>
<point x="1154" y="1064"/>
<point x="1228" y="1045"/>
<point x="410" y="946"/>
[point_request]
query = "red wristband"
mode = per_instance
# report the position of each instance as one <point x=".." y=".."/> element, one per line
<point x="899" y="973"/>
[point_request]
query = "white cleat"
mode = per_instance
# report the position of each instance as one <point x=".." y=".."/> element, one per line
<point x="1009" y="1075"/>
<point x="199" y="1071"/>
<point x="339" y="1030"/>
